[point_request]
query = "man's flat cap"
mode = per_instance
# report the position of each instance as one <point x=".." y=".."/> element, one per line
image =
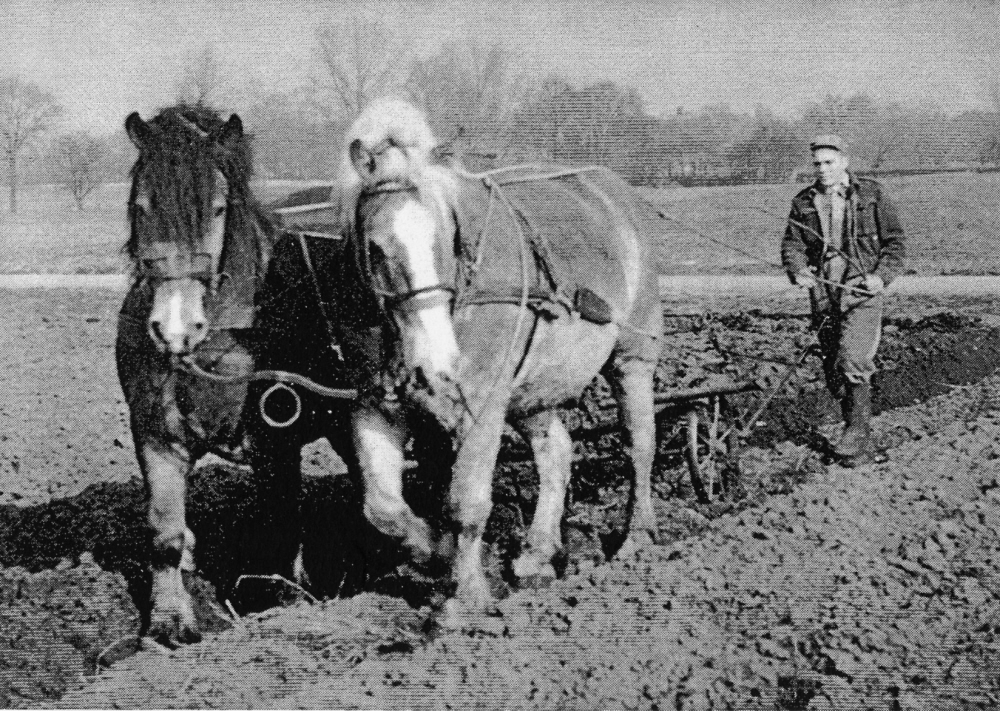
<point x="828" y="140"/>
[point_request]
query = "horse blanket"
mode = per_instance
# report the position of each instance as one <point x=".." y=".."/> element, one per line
<point x="582" y="239"/>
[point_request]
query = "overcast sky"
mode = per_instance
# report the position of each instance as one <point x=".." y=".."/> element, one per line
<point x="106" y="58"/>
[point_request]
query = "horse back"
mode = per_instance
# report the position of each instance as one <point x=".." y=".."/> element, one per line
<point x="309" y="320"/>
<point x="586" y="229"/>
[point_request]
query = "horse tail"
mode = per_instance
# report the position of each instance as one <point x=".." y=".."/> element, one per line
<point x="396" y="142"/>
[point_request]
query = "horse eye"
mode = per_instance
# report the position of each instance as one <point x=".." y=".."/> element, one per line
<point x="220" y="210"/>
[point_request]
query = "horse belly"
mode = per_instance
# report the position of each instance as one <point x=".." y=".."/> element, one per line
<point x="563" y="358"/>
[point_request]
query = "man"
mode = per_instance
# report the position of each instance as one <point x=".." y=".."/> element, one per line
<point x="845" y="244"/>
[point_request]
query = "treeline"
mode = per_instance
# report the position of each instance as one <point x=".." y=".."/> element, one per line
<point x="489" y="111"/>
<point x="610" y="125"/>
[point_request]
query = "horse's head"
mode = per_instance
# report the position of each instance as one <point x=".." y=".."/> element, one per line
<point x="192" y="167"/>
<point x="405" y="235"/>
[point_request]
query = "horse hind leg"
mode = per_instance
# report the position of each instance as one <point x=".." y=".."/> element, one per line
<point x="553" y="453"/>
<point x="171" y="620"/>
<point x="631" y="381"/>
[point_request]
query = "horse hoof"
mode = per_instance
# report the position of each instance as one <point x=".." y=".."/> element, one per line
<point x="850" y="461"/>
<point x="171" y="631"/>
<point x="460" y="613"/>
<point x="635" y="542"/>
<point x="173" y="638"/>
<point x="531" y="573"/>
<point x="535" y="582"/>
<point x="419" y="542"/>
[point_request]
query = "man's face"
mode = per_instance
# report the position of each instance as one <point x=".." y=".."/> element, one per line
<point x="830" y="165"/>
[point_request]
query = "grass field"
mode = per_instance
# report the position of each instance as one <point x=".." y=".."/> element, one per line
<point x="951" y="222"/>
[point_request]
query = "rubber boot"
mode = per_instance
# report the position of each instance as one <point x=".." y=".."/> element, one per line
<point x="854" y="447"/>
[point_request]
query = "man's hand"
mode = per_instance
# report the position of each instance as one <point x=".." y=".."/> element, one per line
<point x="874" y="284"/>
<point x="805" y="278"/>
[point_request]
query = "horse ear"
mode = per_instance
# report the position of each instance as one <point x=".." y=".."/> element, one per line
<point x="231" y="132"/>
<point x="361" y="158"/>
<point x="138" y="130"/>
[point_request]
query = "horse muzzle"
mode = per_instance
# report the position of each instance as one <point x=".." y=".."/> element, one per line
<point x="177" y="322"/>
<point x="176" y="342"/>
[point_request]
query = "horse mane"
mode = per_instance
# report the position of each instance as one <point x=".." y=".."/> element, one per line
<point x="407" y="128"/>
<point x="178" y="162"/>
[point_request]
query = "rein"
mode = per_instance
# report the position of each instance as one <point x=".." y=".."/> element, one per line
<point x="188" y="365"/>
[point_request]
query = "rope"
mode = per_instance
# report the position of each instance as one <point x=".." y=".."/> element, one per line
<point x="317" y="292"/>
<point x="277" y="375"/>
<point x="846" y="287"/>
<point x="829" y="247"/>
<point x="522" y="303"/>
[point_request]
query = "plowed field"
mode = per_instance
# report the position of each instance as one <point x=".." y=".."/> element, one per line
<point x="815" y="587"/>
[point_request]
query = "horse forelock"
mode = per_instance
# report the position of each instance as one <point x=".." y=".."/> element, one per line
<point x="389" y="122"/>
<point x="177" y="168"/>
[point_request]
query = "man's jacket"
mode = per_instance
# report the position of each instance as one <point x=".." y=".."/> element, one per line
<point x="873" y="240"/>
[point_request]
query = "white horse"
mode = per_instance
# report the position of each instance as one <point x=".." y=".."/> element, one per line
<point x="508" y="292"/>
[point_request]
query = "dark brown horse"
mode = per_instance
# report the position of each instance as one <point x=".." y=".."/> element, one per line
<point x="507" y="293"/>
<point x="200" y="245"/>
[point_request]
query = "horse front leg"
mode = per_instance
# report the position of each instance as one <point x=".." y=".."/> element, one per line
<point x="378" y="446"/>
<point x="553" y="453"/>
<point x="471" y="500"/>
<point x="165" y="468"/>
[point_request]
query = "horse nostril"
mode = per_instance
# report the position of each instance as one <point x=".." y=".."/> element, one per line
<point x="156" y="331"/>
<point x="420" y="380"/>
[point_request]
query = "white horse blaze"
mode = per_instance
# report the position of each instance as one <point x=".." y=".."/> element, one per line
<point x="173" y="327"/>
<point x="436" y="345"/>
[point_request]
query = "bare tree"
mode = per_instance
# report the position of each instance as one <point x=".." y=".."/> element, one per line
<point x="872" y="130"/>
<point x="471" y="94"/>
<point x="769" y="151"/>
<point x="82" y="160"/>
<point x="203" y="78"/>
<point x="292" y="138"/>
<point x="599" y="123"/>
<point x="26" y="112"/>
<point x="363" y="61"/>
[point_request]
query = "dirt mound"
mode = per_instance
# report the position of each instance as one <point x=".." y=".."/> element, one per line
<point x="56" y="624"/>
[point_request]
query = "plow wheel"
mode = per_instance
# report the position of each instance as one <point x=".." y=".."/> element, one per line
<point x="711" y="448"/>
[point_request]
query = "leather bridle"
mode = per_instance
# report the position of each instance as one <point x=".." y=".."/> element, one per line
<point x="411" y="300"/>
<point x="199" y="266"/>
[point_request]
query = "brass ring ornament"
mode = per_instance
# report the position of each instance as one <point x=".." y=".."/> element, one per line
<point x="276" y="388"/>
